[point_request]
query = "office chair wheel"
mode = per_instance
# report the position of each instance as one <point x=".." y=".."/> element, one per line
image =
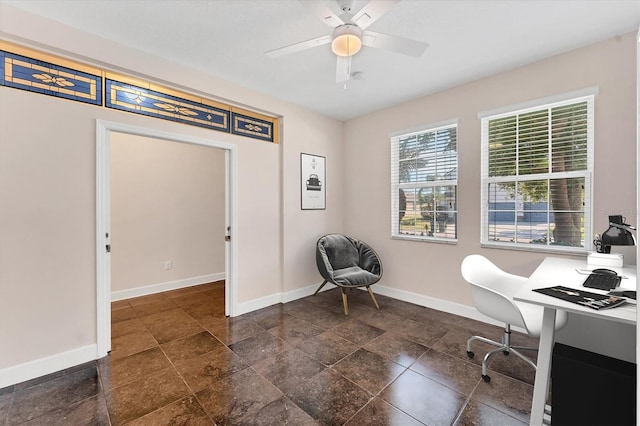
<point x="505" y="352"/>
<point x="470" y="354"/>
<point x="486" y="378"/>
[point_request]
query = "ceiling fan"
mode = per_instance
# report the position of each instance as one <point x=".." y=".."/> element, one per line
<point x="350" y="34"/>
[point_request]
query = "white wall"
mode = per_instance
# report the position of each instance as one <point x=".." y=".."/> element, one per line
<point x="47" y="198"/>
<point x="167" y="204"/>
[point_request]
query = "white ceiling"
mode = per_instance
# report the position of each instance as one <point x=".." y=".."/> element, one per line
<point x="468" y="39"/>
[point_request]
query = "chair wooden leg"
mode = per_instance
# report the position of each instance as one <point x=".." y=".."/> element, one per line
<point x="344" y="301"/>
<point x="320" y="288"/>
<point x="375" y="302"/>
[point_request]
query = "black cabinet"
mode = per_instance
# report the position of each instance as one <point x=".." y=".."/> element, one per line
<point x="591" y="389"/>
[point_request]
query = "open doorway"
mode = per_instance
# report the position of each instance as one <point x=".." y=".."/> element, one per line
<point x="107" y="132"/>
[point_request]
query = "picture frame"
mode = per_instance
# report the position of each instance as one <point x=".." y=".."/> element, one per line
<point x="313" y="182"/>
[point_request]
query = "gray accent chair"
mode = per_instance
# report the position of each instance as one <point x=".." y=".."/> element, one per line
<point x="347" y="262"/>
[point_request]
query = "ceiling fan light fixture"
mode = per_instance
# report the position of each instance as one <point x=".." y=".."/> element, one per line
<point x="347" y="40"/>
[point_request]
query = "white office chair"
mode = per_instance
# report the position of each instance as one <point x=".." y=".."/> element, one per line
<point x="492" y="290"/>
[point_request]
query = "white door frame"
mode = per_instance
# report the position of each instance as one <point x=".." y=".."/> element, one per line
<point x="103" y="219"/>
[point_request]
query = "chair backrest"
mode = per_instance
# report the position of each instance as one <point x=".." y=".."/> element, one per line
<point x="337" y="251"/>
<point x="492" y="289"/>
<point x="340" y="251"/>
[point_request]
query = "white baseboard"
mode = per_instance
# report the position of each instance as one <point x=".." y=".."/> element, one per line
<point x="284" y="297"/>
<point x="406" y="296"/>
<point x="170" y="285"/>
<point x="259" y="303"/>
<point x="439" y="304"/>
<point x="431" y="302"/>
<point x="299" y="293"/>
<point x="43" y="366"/>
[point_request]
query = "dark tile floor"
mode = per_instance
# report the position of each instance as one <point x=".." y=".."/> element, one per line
<point x="177" y="360"/>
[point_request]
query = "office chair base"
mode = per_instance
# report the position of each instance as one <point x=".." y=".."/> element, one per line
<point x="504" y="347"/>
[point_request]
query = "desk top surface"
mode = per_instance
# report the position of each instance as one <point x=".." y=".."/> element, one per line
<point x="572" y="273"/>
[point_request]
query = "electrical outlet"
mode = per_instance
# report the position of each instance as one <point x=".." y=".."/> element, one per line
<point x="168" y="265"/>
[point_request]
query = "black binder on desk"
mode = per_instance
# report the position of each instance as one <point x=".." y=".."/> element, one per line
<point x="581" y="297"/>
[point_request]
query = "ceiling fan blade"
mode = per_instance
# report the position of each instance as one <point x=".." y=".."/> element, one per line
<point x="293" y="48"/>
<point x="343" y="68"/>
<point x="394" y="44"/>
<point x="323" y="12"/>
<point x="372" y="11"/>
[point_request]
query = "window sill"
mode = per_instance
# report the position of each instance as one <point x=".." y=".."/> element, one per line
<point x="425" y="239"/>
<point x="567" y="251"/>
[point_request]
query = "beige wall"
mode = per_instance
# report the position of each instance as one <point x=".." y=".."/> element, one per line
<point x="167" y="204"/>
<point x="302" y="229"/>
<point x="47" y="227"/>
<point x="47" y="195"/>
<point x="433" y="269"/>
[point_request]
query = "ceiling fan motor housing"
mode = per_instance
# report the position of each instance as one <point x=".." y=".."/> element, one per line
<point x="346" y="40"/>
<point x="346" y="5"/>
<point x="352" y="29"/>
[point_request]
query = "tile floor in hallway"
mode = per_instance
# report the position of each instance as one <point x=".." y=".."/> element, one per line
<point x="177" y="360"/>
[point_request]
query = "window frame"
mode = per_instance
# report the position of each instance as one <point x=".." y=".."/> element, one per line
<point x="586" y="95"/>
<point x="394" y="139"/>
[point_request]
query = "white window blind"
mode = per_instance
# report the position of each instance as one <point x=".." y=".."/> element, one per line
<point x="536" y="176"/>
<point x="424" y="179"/>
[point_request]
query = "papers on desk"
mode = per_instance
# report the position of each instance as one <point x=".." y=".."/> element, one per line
<point x="584" y="298"/>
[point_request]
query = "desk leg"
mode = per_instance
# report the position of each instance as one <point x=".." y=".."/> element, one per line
<point x="543" y="370"/>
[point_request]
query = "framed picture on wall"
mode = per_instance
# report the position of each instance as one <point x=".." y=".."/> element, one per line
<point x="313" y="183"/>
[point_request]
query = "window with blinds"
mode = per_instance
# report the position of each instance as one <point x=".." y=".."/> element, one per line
<point x="424" y="183"/>
<point x="536" y="171"/>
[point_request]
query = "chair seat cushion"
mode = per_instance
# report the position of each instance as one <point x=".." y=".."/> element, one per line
<point x="354" y="277"/>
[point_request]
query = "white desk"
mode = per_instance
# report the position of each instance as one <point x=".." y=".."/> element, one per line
<point x="559" y="271"/>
